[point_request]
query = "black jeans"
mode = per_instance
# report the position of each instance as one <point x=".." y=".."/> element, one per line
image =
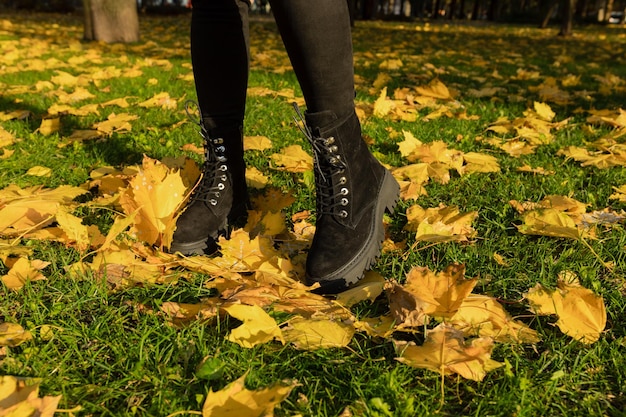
<point x="317" y="37"/>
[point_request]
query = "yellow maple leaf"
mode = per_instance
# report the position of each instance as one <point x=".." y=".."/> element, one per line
<point x="318" y="333"/>
<point x="20" y="397"/>
<point x="551" y="222"/>
<point x="435" y="89"/>
<point x="478" y="162"/>
<point x="6" y="138"/>
<point x="292" y="159"/>
<point x="255" y="178"/>
<point x="581" y="313"/>
<point x="484" y="316"/>
<point x="258" y="327"/>
<point x="12" y="334"/>
<point x="237" y="401"/>
<point x="440" y="294"/>
<point x="244" y="253"/>
<point x="115" y="123"/>
<point x="162" y="100"/>
<point x="77" y="233"/>
<point x="257" y="143"/>
<point x="383" y="105"/>
<point x="156" y="193"/>
<point x="39" y="171"/>
<point x="445" y="351"/>
<point x="23" y="271"/>
<point x="49" y="126"/>
<point x="368" y="288"/>
<point x="440" y="224"/>
<point x="544" y="111"/>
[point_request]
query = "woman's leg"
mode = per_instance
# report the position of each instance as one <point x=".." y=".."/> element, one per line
<point x="220" y="57"/>
<point x="353" y="189"/>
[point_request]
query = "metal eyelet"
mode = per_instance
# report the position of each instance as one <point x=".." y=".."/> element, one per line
<point x="330" y="141"/>
<point x="220" y="186"/>
<point x="213" y="202"/>
<point x="333" y="160"/>
<point x="217" y="194"/>
<point x="344" y="201"/>
<point x="218" y="141"/>
<point x="333" y="148"/>
<point x="220" y="149"/>
<point x="344" y="191"/>
<point x="223" y="177"/>
<point x="343" y="214"/>
<point x="223" y="168"/>
<point x="342" y="180"/>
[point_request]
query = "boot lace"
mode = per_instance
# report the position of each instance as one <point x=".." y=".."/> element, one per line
<point x="214" y="169"/>
<point x="332" y="195"/>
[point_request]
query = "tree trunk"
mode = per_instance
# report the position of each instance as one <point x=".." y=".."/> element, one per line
<point x="548" y="14"/>
<point x="608" y="10"/>
<point x="476" y="10"/>
<point x="111" y="20"/>
<point x="567" y="17"/>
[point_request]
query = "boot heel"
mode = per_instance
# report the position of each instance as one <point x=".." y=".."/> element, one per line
<point x="389" y="192"/>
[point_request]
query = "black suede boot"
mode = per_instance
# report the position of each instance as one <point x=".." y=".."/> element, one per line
<point x="219" y="199"/>
<point x="353" y="192"/>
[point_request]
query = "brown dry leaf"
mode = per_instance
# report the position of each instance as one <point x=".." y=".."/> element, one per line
<point x="182" y="313"/>
<point x="407" y="311"/>
<point x="318" y="333"/>
<point x="480" y="315"/>
<point x="446" y="352"/>
<point x="440" y="224"/>
<point x="581" y="313"/>
<point x="292" y="159"/>
<point x="23" y="271"/>
<point x="237" y="401"/>
<point x="155" y="193"/>
<point x="19" y="397"/>
<point x="440" y="294"/>
<point x="11" y="335"/>
<point x="258" y="327"/>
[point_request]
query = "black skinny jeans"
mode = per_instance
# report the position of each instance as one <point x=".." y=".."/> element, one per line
<point x="317" y="37"/>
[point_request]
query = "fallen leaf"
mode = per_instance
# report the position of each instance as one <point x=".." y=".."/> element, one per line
<point x="237" y="401"/>
<point x="446" y="352"/>
<point x="581" y="313"/>
<point x="317" y="333"/>
<point x="258" y="327"/>
<point x="20" y="397"/>
<point x="12" y="335"/>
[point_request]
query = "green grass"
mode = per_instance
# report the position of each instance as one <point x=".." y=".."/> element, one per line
<point x="113" y="353"/>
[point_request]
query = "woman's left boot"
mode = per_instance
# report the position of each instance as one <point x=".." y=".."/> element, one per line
<point x="353" y="191"/>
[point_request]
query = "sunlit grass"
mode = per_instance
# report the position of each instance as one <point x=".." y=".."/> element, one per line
<point x="112" y="353"/>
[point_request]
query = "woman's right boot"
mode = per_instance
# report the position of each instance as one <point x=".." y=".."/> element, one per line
<point x="220" y="197"/>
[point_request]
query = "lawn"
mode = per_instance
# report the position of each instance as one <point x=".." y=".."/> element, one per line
<point x="515" y="134"/>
